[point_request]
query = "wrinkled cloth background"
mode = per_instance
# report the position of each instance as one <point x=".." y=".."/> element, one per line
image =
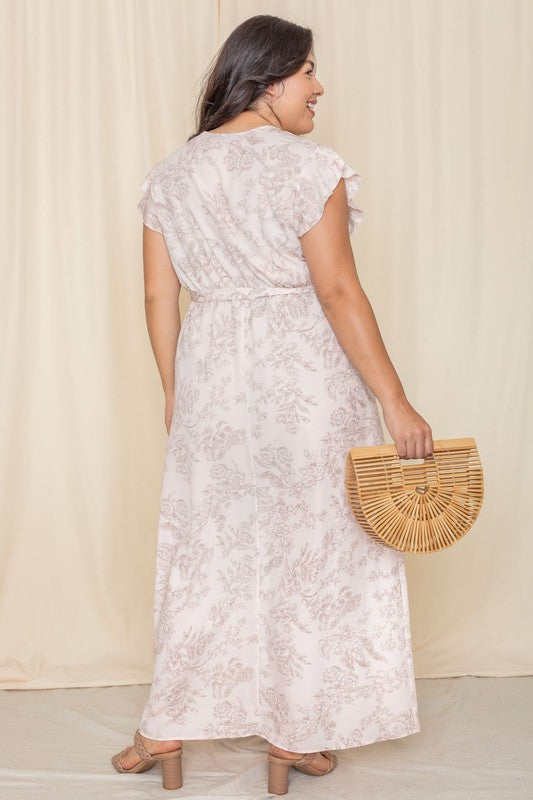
<point x="430" y="103"/>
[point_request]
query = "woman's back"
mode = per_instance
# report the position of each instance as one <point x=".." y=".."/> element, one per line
<point x="232" y="206"/>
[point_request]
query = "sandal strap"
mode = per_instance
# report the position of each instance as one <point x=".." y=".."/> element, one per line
<point x="117" y="759"/>
<point x="305" y="760"/>
<point x="305" y="764"/>
<point x="140" y="749"/>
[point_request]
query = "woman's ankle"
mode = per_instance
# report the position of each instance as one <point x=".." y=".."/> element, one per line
<point x="279" y="751"/>
<point x="159" y="744"/>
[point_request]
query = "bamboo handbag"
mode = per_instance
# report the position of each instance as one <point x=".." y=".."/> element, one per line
<point x="418" y="508"/>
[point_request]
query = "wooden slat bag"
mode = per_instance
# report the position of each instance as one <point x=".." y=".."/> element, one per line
<point x="417" y="508"/>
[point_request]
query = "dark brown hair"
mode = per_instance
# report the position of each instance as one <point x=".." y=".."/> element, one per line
<point x="261" y="50"/>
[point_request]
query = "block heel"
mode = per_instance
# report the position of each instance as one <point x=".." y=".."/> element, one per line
<point x="278" y="777"/>
<point x="278" y="769"/>
<point x="171" y="769"/>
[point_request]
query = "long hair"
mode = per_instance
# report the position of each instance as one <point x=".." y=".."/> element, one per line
<point x="261" y="50"/>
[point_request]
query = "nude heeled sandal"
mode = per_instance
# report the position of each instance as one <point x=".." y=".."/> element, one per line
<point x="170" y="762"/>
<point x="278" y="769"/>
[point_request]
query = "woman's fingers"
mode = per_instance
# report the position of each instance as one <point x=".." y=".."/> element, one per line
<point x="420" y="446"/>
<point x="415" y="448"/>
<point x="410" y="432"/>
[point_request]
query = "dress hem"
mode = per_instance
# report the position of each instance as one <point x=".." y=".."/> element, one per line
<point x="285" y="746"/>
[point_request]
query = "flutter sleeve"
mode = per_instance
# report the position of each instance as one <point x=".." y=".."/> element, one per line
<point x="319" y="174"/>
<point x="148" y="204"/>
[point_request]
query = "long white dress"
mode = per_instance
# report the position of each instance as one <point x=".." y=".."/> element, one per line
<point x="275" y="613"/>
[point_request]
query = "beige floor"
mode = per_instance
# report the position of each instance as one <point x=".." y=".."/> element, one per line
<point x="475" y="743"/>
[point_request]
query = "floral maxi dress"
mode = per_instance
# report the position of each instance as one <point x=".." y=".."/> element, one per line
<point x="275" y="614"/>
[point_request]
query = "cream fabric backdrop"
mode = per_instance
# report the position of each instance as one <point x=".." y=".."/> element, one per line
<point x="431" y="103"/>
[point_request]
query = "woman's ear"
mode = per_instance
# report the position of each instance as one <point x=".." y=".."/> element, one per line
<point x="275" y="90"/>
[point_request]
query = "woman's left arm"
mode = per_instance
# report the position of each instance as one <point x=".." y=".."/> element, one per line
<point x="161" y="302"/>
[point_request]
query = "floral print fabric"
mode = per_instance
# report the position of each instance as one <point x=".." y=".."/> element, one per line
<point x="275" y="613"/>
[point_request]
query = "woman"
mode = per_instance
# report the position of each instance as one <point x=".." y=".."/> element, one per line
<point x="275" y="614"/>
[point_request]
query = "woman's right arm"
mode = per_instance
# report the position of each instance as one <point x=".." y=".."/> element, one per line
<point x="329" y="256"/>
<point x="161" y="302"/>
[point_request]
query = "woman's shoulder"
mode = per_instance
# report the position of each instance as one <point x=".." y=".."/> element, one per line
<point x="324" y="153"/>
<point x="313" y="153"/>
<point x="160" y="167"/>
<point x="312" y="160"/>
<point x="313" y="169"/>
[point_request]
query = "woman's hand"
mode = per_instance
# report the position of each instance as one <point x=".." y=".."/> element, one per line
<point x="169" y="408"/>
<point x="411" y="433"/>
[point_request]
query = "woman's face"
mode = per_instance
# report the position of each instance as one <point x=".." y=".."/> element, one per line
<point x="291" y="104"/>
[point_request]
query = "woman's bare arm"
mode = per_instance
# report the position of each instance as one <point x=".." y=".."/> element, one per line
<point x="328" y="253"/>
<point x="161" y="301"/>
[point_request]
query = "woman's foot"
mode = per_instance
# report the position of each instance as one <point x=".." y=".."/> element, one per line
<point x="320" y="762"/>
<point x="154" y="746"/>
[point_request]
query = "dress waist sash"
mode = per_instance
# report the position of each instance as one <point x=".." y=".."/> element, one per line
<point x="247" y="292"/>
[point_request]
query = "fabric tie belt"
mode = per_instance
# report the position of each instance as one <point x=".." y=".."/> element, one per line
<point x="247" y="292"/>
